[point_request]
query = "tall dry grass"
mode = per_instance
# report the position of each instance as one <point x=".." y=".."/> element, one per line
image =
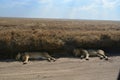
<point x="20" y="35"/>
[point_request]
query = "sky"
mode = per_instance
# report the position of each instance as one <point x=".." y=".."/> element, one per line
<point x="63" y="9"/>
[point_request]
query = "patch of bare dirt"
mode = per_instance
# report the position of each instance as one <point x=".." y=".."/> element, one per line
<point x="62" y="69"/>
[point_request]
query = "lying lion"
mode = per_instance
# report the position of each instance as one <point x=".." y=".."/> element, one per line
<point x="35" y="55"/>
<point x="83" y="53"/>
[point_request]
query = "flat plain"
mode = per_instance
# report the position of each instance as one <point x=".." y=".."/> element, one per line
<point x="57" y="36"/>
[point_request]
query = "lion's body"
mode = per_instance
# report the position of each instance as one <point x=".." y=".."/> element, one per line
<point x="86" y="53"/>
<point x="34" y="55"/>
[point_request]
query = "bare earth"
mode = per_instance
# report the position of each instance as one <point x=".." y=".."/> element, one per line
<point x="62" y="69"/>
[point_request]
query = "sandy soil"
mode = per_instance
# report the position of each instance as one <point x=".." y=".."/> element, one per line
<point x="62" y="69"/>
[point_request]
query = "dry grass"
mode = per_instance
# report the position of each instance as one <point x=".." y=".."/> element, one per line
<point x="19" y="35"/>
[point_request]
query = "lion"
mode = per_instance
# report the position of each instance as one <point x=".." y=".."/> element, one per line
<point x="83" y="53"/>
<point x="35" y="55"/>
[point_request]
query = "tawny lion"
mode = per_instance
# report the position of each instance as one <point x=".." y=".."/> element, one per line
<point x="25" y="56"/>
<point x="83" y="53"/>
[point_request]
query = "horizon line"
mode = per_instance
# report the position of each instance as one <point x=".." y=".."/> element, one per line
<point x="59" y="18"/>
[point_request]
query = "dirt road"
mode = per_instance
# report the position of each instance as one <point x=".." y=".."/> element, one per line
<point x="62" y="69"/>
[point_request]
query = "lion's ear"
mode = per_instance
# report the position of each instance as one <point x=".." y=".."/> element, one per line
<point x="18" y="56"/>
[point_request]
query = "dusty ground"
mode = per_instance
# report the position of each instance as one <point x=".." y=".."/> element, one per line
<point x="62" y="69"/>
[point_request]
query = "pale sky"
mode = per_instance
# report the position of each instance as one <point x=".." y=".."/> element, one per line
<point x="64" y="9"/>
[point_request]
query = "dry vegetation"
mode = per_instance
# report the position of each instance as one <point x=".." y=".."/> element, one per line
<point x="19" y="35"/>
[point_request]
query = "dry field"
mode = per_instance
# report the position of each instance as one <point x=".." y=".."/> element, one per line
<point x="59" y="37"/>
<point x="19" y="35"/>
